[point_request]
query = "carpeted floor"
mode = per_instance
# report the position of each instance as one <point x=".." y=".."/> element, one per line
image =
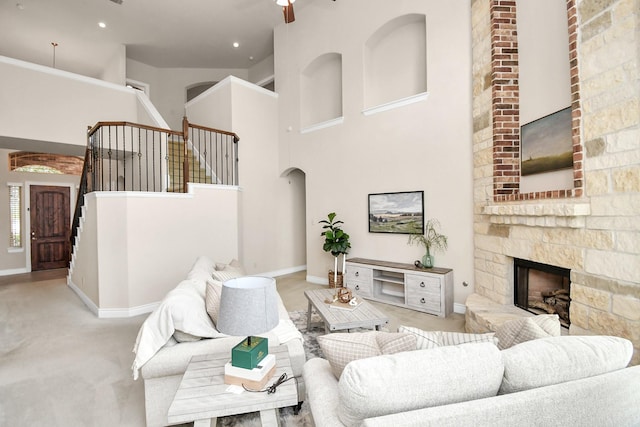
<point x="62" y="366"/>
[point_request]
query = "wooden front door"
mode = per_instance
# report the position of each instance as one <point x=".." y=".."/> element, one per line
<point x="49" y="227"/>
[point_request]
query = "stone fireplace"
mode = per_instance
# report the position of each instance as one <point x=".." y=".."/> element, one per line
<point x="542" y="289"/>
<point x="591" y="228"/>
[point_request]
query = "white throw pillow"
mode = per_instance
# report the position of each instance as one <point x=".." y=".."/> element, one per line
<point x="390" y="342"/>
<point x="524" y="329"/>
<point x="202" y="265"/>
<point x="433" y="339"/>
<point x="424" y="339"/>
<point x="212" y="299"/>
<point x="234" y="265"/>
<point x="342" y="348"/>
<point x="550" y="323"/>
<point x="214" y="289"/>
<point x="457" y="338"/>
<point x="224" y="275"/>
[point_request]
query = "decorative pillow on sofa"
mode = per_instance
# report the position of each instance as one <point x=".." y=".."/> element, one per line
<point x="212" y="299"/>
<point x="201" y="269"/>
<point x="222" y="275"/>
<point x="457" y="338"/>
<point x="556" y="360"/>
<point x="433" y="339"/>
<point x="524" y="329"/>
<point x="234" y="264"/>
<point x="424" y="339"/>
<point x="341" y="348"/>
<point x="214" y="289"/>
<point x="203" y="263"/>
<point x="519" y="331"/>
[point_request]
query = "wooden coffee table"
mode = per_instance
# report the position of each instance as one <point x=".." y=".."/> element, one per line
<point x="202" y="395"/>
<point x="364" y="316"/>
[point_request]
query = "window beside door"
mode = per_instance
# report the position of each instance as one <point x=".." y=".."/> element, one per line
<point x="15" y="216"/>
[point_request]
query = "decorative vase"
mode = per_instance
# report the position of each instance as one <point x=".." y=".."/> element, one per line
<point x="427" y="261"/>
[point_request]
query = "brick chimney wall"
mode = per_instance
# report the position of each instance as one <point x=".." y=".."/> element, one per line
<point x="70" y="165"/>
<point x="593" y="229"/>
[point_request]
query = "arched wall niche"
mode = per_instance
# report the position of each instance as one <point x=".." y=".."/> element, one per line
<point x="321" y="90"/>
<point x="395" y="60"/>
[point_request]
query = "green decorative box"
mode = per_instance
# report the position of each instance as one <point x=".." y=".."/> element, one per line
<point x="248" y="356"/>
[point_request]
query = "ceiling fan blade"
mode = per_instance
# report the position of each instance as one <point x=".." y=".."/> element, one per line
<point x="289" y="16"/>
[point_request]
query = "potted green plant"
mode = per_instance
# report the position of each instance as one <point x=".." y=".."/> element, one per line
<point x="336" y="242"/>
<point x="432" y="240"/>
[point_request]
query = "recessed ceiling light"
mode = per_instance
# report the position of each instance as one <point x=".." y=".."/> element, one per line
<point x="102" y="25"/>
<point x="236" y="44"/>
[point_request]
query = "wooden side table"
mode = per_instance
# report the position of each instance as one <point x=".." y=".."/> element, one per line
<point x="202" y="395"/>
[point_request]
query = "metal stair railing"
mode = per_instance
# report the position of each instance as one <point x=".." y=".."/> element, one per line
<point x="124" y="156"/>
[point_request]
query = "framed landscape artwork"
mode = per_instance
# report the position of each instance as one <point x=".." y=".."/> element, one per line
<point x="546" y="144"/>
<point x="401" y="212"/>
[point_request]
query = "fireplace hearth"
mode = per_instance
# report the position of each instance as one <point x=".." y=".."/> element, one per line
<point x="542" y="289"/>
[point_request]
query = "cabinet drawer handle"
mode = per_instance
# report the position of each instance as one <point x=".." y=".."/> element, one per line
<point x="357" y="287"/>
<point x="357" y="274"/>
<point x="422" y="300"/>
<point x="422" y="284"/>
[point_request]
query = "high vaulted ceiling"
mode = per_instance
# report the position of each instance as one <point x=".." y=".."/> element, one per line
<point x="161" y="33"/>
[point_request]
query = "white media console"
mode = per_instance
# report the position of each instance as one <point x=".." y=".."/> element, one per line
<point x="424" y="289"/>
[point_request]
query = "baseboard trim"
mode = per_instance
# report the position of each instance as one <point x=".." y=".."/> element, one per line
<point x="13" y="271"/>
<point x="83" y="297"/>
<point x="119" y="313"/>
<point x="284" y="271"/>
<point x="111" y="313"/>
<point x="459" y="308"/>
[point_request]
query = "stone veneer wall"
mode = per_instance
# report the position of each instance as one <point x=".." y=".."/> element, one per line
<point x="593" y="229"/>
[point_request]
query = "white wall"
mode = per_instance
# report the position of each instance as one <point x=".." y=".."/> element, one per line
<point x="422" y="146"/>
<point x="138" y="256"/>
<point x="544" y="78"/>
<point x="169" y="86"/>
<point x="262" y="71"/>
<point x="272" y="233"/>
<point x="115" y="70"/>
<point x="53" y="108"/>
<point x="47" y="110"/>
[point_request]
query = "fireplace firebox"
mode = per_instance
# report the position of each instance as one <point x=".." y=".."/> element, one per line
<point x="542" y="289"/>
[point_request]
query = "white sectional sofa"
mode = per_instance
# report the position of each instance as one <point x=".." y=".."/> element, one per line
<point x="181" y="328"/>
<point x="553" y="381"/>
